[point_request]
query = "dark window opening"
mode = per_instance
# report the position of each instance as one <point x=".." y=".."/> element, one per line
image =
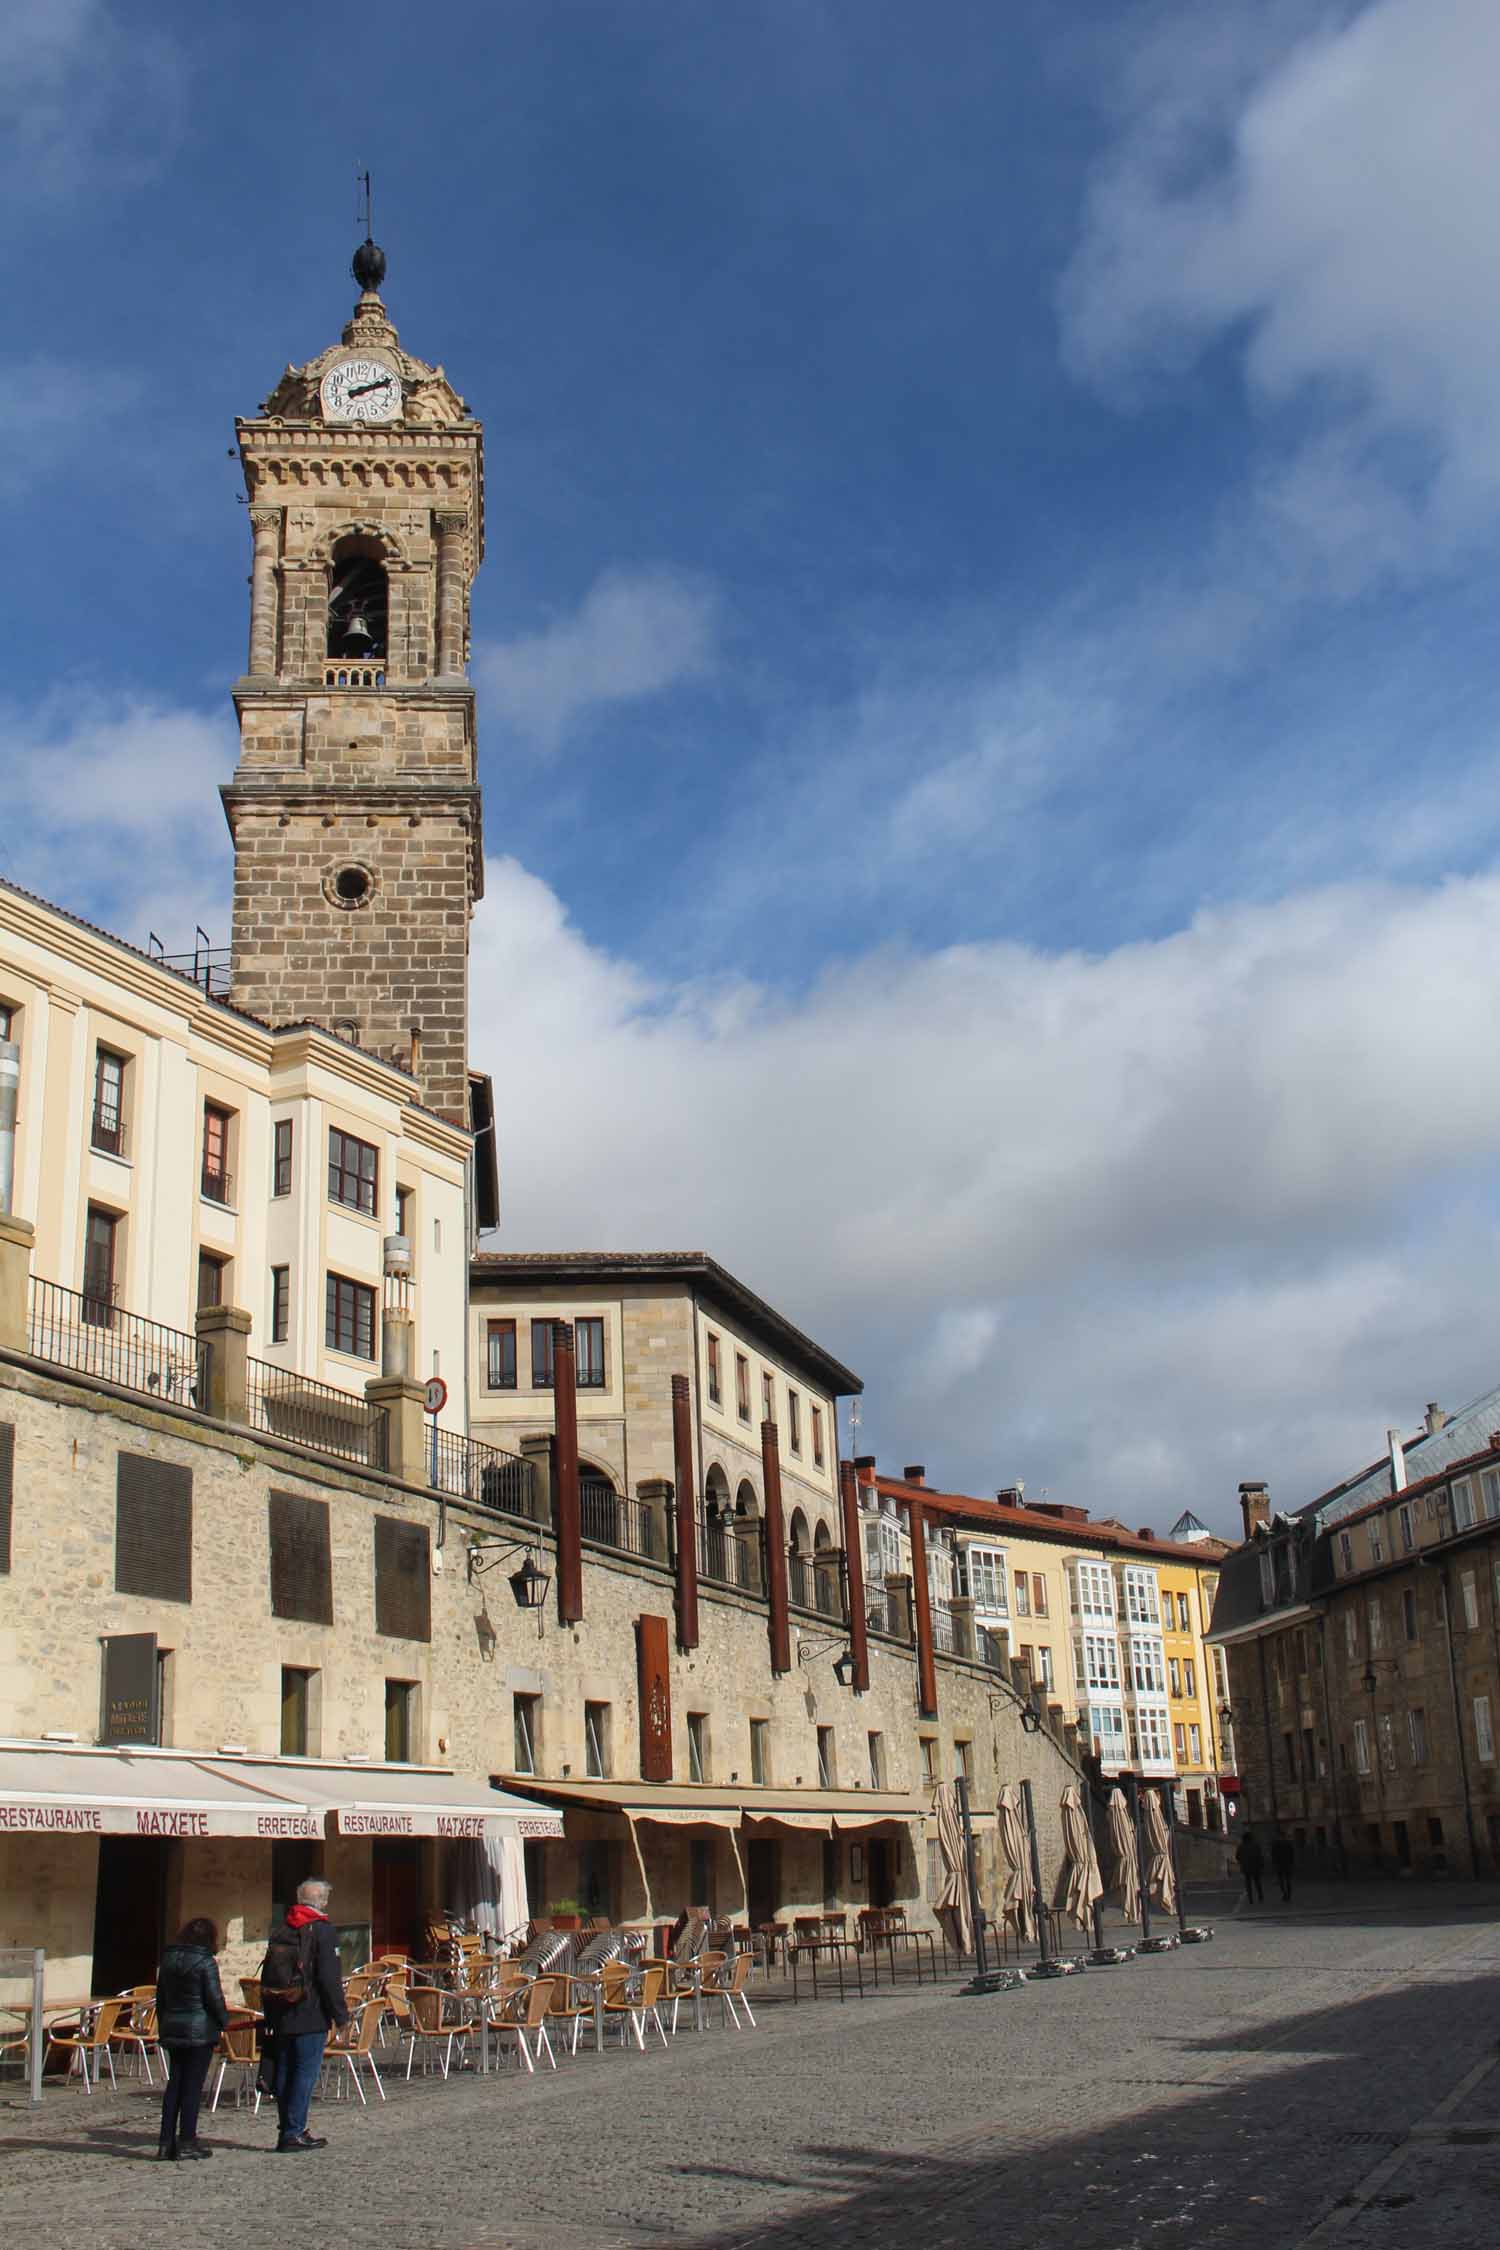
<point x="281" y="1303"/>
<point x="357" y="607"/>
<point x="281" y="1169"/>
<point x="101" y="1232"/>
<point x="541" y="1355"/>
<point x="349" y="1318"/>
<point x="108" y="1127"/>
<point x="500" y="1374"/>
<point x="589" y="1346"/>
<point x="353" y="1171"/>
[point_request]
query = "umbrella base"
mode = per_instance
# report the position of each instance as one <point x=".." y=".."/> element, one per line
<point x="993" y="1980"/>
<point x="1109" y="1956"/>
<point x="1071" y="1966"/>
<point x="1158" y="1945"/>
<point x="1200" y="1936"/>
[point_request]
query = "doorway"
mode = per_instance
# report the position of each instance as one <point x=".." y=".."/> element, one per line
<point x="882" y="1872"/>
<point x="596" y="1878"/>
<point x="130" y="1910"/>
<point x="395" y="1894"/>
<point x="762" y="1880"/>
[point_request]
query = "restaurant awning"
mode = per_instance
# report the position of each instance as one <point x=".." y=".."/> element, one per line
<point x="686" y="1804"/>
<point x="53" y="1789"/>
<point x="381" y="1800"/>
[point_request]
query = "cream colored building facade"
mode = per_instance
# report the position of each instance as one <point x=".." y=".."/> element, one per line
<point x="172" y="1151"/>
<point x="1109" y="1624"/>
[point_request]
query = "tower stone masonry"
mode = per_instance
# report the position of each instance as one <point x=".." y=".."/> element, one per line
<point x="355" y="811"/>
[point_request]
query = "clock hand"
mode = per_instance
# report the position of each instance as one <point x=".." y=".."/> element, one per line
<point x="360" y="389"/>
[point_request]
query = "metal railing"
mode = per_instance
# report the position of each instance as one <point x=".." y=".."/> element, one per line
<point x="816" y="1581"/>
<point x="612" y="1519"/>
<point x="944" y="1631"/>
<point x="90" y="1333"/>
<point x="464" y="1468"/>
<point x="107" y="1132"/>
<point x="730" y="1552"/>
<point x="217" y="1184"/>
<point x="295" y="1407"/>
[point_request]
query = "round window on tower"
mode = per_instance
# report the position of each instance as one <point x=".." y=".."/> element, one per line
<point x="349" y="887"/>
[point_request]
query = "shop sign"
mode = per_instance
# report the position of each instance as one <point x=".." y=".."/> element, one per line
<point x="130" y="1694"/>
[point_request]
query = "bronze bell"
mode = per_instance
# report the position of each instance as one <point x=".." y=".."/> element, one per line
<point x="357" y="629"/>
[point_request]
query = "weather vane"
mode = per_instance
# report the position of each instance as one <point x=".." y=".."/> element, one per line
<point x="368" y="266"/>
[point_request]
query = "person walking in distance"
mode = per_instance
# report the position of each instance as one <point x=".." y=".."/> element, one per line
<point x="1283" y="1860"/>
<point x="190" y="2014"/>
<point x="1252" y="1866"/>
<point x="302" y="1997"/>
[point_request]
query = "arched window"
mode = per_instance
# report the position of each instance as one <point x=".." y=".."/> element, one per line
<point x="358" y="600"/>
<point x="716" y="1493"/>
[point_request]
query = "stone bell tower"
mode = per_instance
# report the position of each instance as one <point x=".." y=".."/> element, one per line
<point x="355" y="804"/>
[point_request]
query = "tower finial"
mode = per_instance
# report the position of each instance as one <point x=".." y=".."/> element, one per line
<point x="368" y="263"/>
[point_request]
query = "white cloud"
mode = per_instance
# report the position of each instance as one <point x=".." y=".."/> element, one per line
<point x="1321" y="188"/>
<point x="111" y="810"/>
<point x="86" y="92"/>
<point x="1146" y="1215"/>
<point x="636" y="633"/>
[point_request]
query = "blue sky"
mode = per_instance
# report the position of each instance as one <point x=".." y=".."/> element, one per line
<point x="987" y="650"/>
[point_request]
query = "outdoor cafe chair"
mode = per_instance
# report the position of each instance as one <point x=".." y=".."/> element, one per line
<point x="686" y="1980"/>
<point x="727" y="1986"/>
<point x="522" y="2013"/>
<point x="354" y="2044"/>
<point x="136" y="2032"/>
<point x="433" y="2015"/>
<point x="90" y="2034"/>
<point x="239" y="2050"/>
<point x="15" y="2033"/>
<point x="631" y="2007"/>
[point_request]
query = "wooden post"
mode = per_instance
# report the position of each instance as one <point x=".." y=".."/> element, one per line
<point x="927" y="1695"/>
<point x="854" y="1572"/>
<point x="565" y="1500"/>
<point x="687" y="1515"/>
<point x="779" y="1623"/>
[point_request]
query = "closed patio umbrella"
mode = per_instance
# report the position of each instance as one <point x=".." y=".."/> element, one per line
<point x="1015" y="1906"/>
<point x="1079" y="1884"/>
<point x="1125" y="1875"/>
<point x="1158" y="1854"/>
<point x="952" y="1905"/>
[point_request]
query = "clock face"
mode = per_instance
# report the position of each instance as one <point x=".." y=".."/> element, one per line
<point x="361" y="390"/>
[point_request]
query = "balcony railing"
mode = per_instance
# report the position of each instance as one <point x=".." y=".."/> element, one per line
<point x="217" y="1185"/>
<point x="944" y="1631"/>
<point x="293" y="1406"/>
<point x="107" y="1132"/>
<point x="463" y="1468"/>
<point x="611" y="1519"/>
<point x="88" y="1331"/>
<point x="730" y="1552"/>
<point x="816" y="1582"/>
<point x="345" y="674"/>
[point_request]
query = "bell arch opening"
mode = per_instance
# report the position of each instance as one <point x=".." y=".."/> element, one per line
<point x="358" y="600"/>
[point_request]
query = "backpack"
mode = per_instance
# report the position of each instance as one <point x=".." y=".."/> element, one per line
<point x="284" y="1973"/>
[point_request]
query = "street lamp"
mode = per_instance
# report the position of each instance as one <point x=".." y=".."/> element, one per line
<point x="808" y="1652"/>
<point x="528" y="1585"/>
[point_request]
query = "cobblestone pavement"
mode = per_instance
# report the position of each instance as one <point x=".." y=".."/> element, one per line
<point x="1321" y="2075"/>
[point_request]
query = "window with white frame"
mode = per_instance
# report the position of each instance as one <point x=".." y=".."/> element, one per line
<point x="1023" y="1594"/>
<point x="1101" y="1661"/>
<point x="1361" y="1746"/>
<point x="1463" y="1505"/>
<point x="1376" y="1620"/>
<point x="987" y="1580"/>
<point x="1140" y="1596"/>
<point x="1407" y="1523"/>
<point x="1108" y="1730"/>
<point x="1416" y="1735"/>
<point x="1095" y="1589"/>
<point x="1221" y="1676"/>
<point x="1377" y="1543"/>
<point x="1484" y="1737"/>
<point x="1195" y="1744"/>
<point x="1147" y="1672"/>
<point x="1351" y="1632"/>
<point x="1153" y="1731"/>
<point x="1044" y="1665"/>
<point x="1346" y="1551"/>
<point x="1468" y="1588"/>
<point x="1385" y="1727"/>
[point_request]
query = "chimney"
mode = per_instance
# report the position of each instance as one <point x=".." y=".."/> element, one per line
<point x="1011" y="1496"/>
<point x="1398" y="1460"/>
<point x="1434" y="1417"/>
<point x="1255" y="1506"/>
<point x="1144" y="1531"/>
<point x="916" y="1474"/>
<point x="864" y="1469"/>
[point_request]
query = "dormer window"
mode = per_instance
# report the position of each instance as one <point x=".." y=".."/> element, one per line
<point x="357" y="602"/>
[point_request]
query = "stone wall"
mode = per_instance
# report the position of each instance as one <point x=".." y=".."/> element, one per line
<point x="227" y="1651"/>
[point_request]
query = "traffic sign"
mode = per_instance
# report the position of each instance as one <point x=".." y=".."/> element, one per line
<point x="435" y="1396"/>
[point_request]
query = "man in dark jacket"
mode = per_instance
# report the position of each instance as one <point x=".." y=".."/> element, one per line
<point x="190" y="2014"/>
<point x="1283" y="1860"/>
<point x="300" y="2029"/>
<point x="1252" y="1863"/>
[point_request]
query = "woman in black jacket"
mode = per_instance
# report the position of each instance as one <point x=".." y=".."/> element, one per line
<point x="190" y="2014"/>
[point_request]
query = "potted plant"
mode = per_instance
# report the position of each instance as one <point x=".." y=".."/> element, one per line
<point x="566" y="1914"/>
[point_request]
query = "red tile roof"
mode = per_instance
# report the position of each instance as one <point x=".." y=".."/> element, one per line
<point x="1044" y="1520"/>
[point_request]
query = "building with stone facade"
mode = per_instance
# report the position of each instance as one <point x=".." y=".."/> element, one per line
<point x="260" y="1614"/>
<point x="1108" y="1624"/>
<point x="1362" y="1637"/>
